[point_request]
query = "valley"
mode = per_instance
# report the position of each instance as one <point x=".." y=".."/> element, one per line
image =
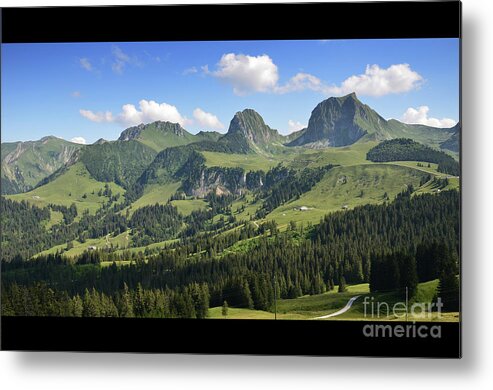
<point x="210" y="217"/>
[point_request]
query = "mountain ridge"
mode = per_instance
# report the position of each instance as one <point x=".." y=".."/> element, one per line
<point x="336" y="121"/>
<point x="342" y="121"/>
<point x="27" y="163"/>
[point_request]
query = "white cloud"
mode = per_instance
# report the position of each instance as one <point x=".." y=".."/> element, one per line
<point x="420" y="116"/>
<point x="148" y="111"/>
<point x="246" y="73"/>
<point x="300" y="82"/>
<point x="249" y="74"/>
<point x="97" y="116"/>
<point x="191" y="70"/>
<point x="206" y="119"/>
<point x="79" y="140"/>
<point x="86" y="64"/>
<point x="294" y="126"/>
<point x="378" y="81"/>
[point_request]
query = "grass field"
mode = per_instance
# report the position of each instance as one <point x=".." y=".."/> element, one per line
<point x="186" y="207"/>
<point x="55" y="218"/>
<point x="345" y="155"/>
<point x="348" y="187"/>
<point x="78" y="248"/>
<point x="311" y="306"/>
<point x="249" y="162"/>
<point x="250" y="208"/>
<point x="70" y="188"/>
<point x="157" y="140"/>
<point x="156" y="245"/>
<point x="154" y="193"/>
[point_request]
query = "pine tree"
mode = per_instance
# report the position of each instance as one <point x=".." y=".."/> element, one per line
<point x="342" y="285"/>
<point x="90" y="304"/>
<point x="77" y="306"/>
<point x="448" y="291"/>
<point x="224" y="310"/>
<point x="126" y="307"/>
<point x="246" y="296"/>
<point x="408" y="274"/>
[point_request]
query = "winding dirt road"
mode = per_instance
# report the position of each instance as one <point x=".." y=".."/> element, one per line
<point x="339" y="312"/>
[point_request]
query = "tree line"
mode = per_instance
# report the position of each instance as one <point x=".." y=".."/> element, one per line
<point x="405" y="149"/>
<point x="353" y="246"/>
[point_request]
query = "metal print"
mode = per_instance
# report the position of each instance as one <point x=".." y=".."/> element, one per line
<point x="311" y="180"/>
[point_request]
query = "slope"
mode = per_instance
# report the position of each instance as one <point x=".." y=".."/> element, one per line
<point x="76" y="186"/>
<point x="25" y="164"/>
<point x="346" y="187"/>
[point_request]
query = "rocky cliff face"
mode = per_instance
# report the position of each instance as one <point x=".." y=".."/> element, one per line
<point x="338" y="121"/>
<point x="248" y="132"/>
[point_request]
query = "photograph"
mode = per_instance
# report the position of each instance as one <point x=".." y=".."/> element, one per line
<point x="313" y="180"/>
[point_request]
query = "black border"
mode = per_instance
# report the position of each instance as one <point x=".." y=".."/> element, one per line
<point x="217" y="336"/>
<point x="388" y="20"/>
<point x="425" y="19"/>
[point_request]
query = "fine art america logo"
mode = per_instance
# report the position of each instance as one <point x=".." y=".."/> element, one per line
<point x="401" y="310"/>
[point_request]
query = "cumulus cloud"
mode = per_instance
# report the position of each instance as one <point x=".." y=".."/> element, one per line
<point x="300" y="82"/>
<point x="148" y="111"/>
<point x="206" y="119"/>
<point x="79" y="140"/>
<point x="86" y="64"/>
<point x="250" y="74"/>
<point x="97" y="116"/>
<point x="246" y="73"/>
<point x="420" y="116"/>
<point x="378" y="81"/>
<point x="294" y="126"/>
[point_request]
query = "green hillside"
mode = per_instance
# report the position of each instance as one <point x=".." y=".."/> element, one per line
<point x="25" y="164"/>
<point x="120" y="241"/>
<point x="70" y="188"/>
<point x="309" y="307"/>
<point x="346" y="187"/>
<point x="249" y="162"/>
<point x="155" y="193"/>
<point x="160" y="135"/>
<point x="405" y="149"/>
<point x="121" y="162"/>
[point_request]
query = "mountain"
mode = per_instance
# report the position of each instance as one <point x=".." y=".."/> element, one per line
<point x="25" y="164"/>
<point x="452" y="143"/>
<point x="248" y="133"/>
<point x="158" y="135"/>
<point x="161" y="135"/>
<point x="121" y="162"/>
<point x="341" y="121"/>
<point x="208" y="136"/>
<point x="337" y="121"/>
<point x="294" y="135"/>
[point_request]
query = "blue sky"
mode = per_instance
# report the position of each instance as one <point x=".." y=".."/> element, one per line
<point x="94" y="90"/>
